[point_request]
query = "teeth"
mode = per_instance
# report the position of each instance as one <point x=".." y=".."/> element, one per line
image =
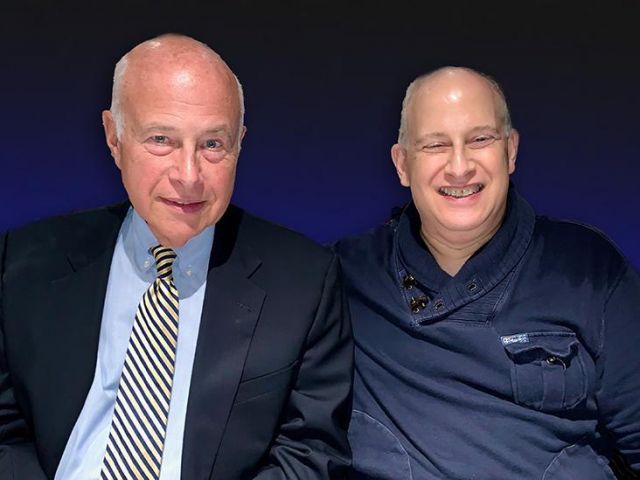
<point x="461" y="192"/>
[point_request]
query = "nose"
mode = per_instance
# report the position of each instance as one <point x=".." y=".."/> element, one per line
<point x="460" y="167"/>
<point x="186" y="169"/>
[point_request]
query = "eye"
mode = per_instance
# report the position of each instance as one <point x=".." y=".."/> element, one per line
<point x="435" y="147"/>
<point x="160" y="139"/>
<point x="212" y="144"/>
<point x="160" y="145"/>
<point x="214" y="149"/>
<point x="481" y="141"/>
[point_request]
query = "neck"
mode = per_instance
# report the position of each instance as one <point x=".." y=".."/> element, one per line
<point x="452" y="252"/>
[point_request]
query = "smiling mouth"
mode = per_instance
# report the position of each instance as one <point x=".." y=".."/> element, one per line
<point x="461" y="192"/>
<point x="186" y="206"/>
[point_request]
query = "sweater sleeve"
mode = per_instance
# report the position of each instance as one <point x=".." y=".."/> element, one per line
<point x="619" y="391"/>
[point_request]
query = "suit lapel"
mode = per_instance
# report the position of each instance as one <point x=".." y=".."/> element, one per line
<point x="230" y="311"/>
<point x="80" y="298"/>
<point x="76" y="302"/>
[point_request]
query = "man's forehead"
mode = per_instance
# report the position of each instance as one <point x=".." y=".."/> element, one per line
<point x="474" y="100"/>
<point x="451" y="88"/>
<point x="182" y="71"/>
<point x="192" y="81"/>
<point x="182" y="59"/>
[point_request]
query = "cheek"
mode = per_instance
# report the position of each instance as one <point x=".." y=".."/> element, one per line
<point x="495" y="164"/>
<point x="141" y="177"/>
<point x="423" y="174"/>
<point x="220" y="177"/>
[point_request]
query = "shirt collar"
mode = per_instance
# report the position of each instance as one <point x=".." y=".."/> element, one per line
<point x="192" y="261"/>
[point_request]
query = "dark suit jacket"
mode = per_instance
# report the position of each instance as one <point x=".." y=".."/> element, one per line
<point x="272" y="372"/>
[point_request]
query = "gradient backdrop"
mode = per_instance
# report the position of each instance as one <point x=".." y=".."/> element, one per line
<point x="324" y="83"/>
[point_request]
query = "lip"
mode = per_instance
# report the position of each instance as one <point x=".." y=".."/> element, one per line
<point x="463" y="202"/>
<point x="478" y="187"/>
<point x="184" y="206"/>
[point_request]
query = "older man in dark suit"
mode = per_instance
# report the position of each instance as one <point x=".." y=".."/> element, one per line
<point x="175" y="336"/>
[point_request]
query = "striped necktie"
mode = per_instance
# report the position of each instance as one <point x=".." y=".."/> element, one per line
<point x="139" y="423"/>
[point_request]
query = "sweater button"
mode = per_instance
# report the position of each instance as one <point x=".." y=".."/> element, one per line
<point x="553" y="360"/>
<point x="408" y="281"/>
<point x="418" y="303"/>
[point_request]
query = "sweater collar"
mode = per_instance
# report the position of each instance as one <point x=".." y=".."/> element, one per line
<point x="489" y="265"/>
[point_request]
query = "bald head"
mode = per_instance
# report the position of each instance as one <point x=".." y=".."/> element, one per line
<point x="443" y="78"/>
<point x="182" y="60"/>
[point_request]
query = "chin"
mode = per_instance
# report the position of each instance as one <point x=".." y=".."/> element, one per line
<point x="463" y="221"/>
<point x="182" y="237"/>
<point x="176" y="235"/>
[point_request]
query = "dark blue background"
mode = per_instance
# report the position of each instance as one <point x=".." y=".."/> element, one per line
<point x="324" y="83"/>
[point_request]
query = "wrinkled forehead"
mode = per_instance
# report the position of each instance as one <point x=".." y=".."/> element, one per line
<point x="199" y="83"/>
<point x="177" y="68"/>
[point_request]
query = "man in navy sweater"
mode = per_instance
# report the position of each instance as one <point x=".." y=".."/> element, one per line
<point x="491" y="343"/>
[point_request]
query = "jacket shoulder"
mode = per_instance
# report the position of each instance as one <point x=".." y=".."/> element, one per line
<point x="371" y="248"/>
<point x="71" y="225"/>
<point x="42" y="241"/>
<point x="270" y="240"/>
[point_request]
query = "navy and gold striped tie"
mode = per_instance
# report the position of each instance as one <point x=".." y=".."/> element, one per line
<point x="139" y="423"/>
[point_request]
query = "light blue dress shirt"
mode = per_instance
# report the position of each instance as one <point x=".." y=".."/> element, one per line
<point x="132" y="271"/>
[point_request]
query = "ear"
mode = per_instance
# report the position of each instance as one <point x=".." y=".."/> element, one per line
<point x="399" y="157"/>
<point x="111" y="135"/>
<point x="243" y="131"/>
<point x="512" y="149"/>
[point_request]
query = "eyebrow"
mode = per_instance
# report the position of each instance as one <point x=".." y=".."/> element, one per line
<point x="484" y="128"/>
<point x="444" y="136"/>
<point x="431" y="136"/>
<point x="159" y="127"/>
<point x="169" y="129"/>
<point x="221" y="129"/>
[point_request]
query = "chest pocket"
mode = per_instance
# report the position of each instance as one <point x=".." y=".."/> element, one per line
<point x="550" y="370"/>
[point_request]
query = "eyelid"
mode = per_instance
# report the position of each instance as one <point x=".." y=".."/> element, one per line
<point x="434" y="146"/>
<point x="219" y="143"/>
<point x="483" y="140"/>
<point x="490" y="135"/>
<point x="154" y="138"/>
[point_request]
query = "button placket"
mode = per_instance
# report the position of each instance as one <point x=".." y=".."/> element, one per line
<point x="416" y="299"/>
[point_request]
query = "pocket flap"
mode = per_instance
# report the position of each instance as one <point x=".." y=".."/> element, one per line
<point x="540" y="345"/>
<point x="257" y="386"/>
<point x="548" y="369"/>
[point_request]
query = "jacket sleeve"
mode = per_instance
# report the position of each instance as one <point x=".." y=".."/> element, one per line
<point x="312" y="441"/>
<point x="18" y="458"/>
<point x="619" y="393"/>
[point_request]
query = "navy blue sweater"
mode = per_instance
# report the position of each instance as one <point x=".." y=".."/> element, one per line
<point x="525" y="365"/>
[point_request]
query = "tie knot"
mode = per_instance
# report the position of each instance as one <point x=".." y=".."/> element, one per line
<point x="164" y="260"/>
